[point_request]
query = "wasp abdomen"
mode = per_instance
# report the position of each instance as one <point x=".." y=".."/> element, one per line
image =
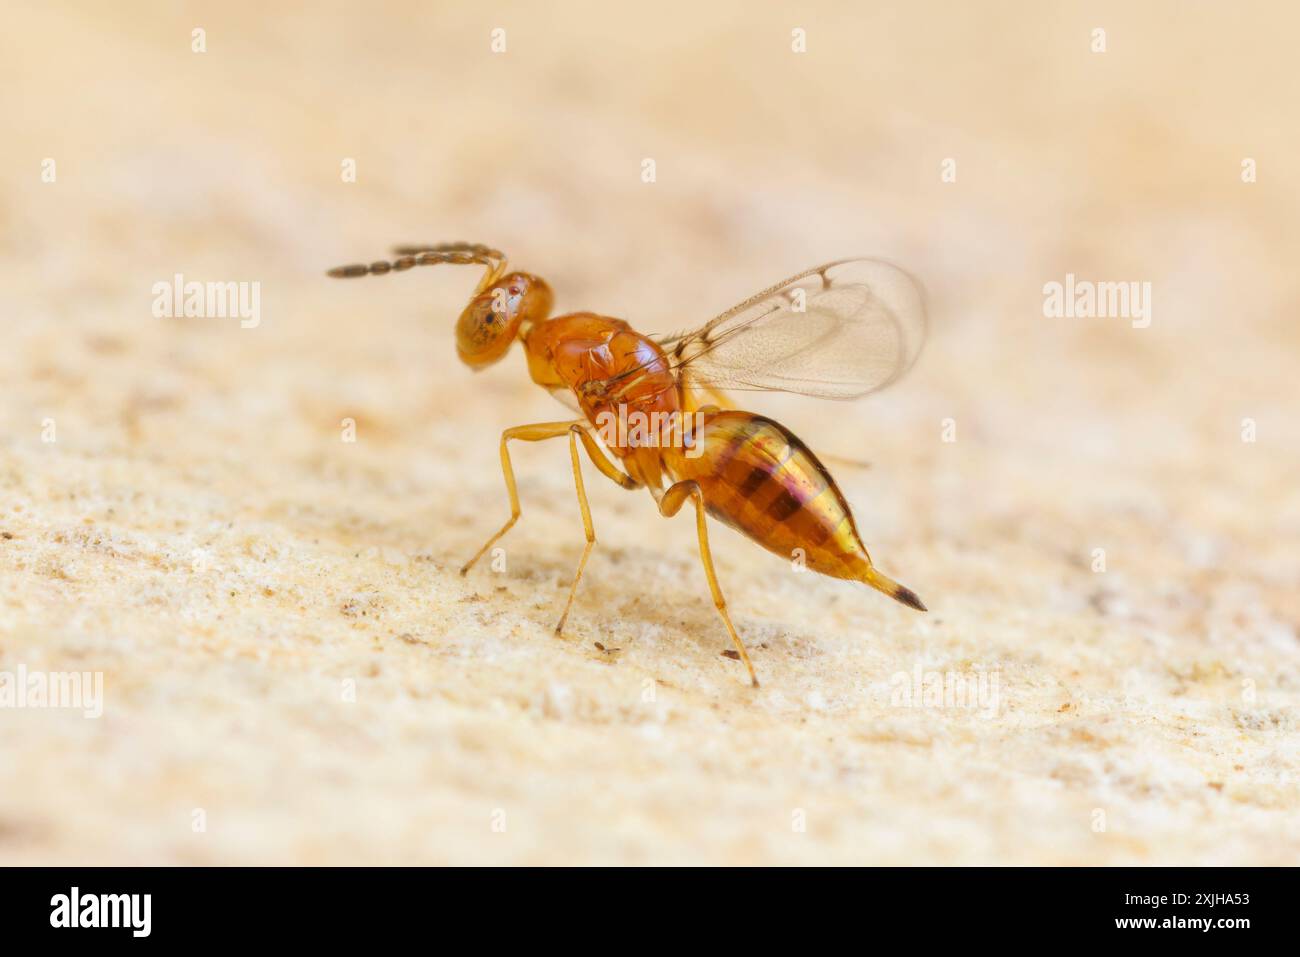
<point x="759" y="478"/>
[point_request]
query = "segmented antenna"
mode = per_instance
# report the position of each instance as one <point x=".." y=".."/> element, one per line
<point x="461" y="254"/>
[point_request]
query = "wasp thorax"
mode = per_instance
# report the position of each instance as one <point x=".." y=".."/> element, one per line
<point x="593" y="390"/>
<point x="492" y="319"/>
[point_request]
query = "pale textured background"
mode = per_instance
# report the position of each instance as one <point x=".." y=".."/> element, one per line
<point x="200" y="534"/>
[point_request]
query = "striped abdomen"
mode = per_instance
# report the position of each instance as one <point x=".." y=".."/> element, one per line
<point x="757" y="477"/>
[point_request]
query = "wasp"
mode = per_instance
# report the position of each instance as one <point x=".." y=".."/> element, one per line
<point x="837" y="331"/>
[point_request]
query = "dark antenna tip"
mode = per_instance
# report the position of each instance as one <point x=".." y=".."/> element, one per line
<point x="348" y="272"/>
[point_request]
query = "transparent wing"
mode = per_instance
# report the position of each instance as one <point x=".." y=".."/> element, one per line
<point x="838" y="331"/>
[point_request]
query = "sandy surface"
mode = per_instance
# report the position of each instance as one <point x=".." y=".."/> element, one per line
<point x="294" y="672"/>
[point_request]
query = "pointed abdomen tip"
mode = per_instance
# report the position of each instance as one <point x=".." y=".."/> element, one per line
<point x="893" y="589"/>
<point x="909" y="598"/>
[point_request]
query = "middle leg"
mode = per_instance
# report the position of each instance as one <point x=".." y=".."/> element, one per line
<point x="607" y="468"/>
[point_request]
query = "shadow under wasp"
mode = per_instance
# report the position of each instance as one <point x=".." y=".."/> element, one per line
<point x="837" y="331"/>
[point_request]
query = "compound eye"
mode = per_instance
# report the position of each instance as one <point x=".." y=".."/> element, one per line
<point x="478" y="326"/>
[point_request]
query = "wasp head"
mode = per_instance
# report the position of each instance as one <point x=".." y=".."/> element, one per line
<point x="493" y="317"/>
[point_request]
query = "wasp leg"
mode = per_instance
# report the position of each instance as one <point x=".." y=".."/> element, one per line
<point x="553" y="430"/>
<point x="669" y="505"/>
<point x="525" y="433"/>
<point x="601" y="460"/>
<point x="607" y="468"/>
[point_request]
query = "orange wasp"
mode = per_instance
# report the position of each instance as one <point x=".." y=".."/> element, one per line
<point x="838" y="331"/>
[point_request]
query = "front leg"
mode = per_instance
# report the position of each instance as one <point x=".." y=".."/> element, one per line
<point x="526" y="433"/>
<point x="551" y="430"/>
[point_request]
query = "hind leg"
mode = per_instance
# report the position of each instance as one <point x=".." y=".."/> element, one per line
<point x="670" y="505"/>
